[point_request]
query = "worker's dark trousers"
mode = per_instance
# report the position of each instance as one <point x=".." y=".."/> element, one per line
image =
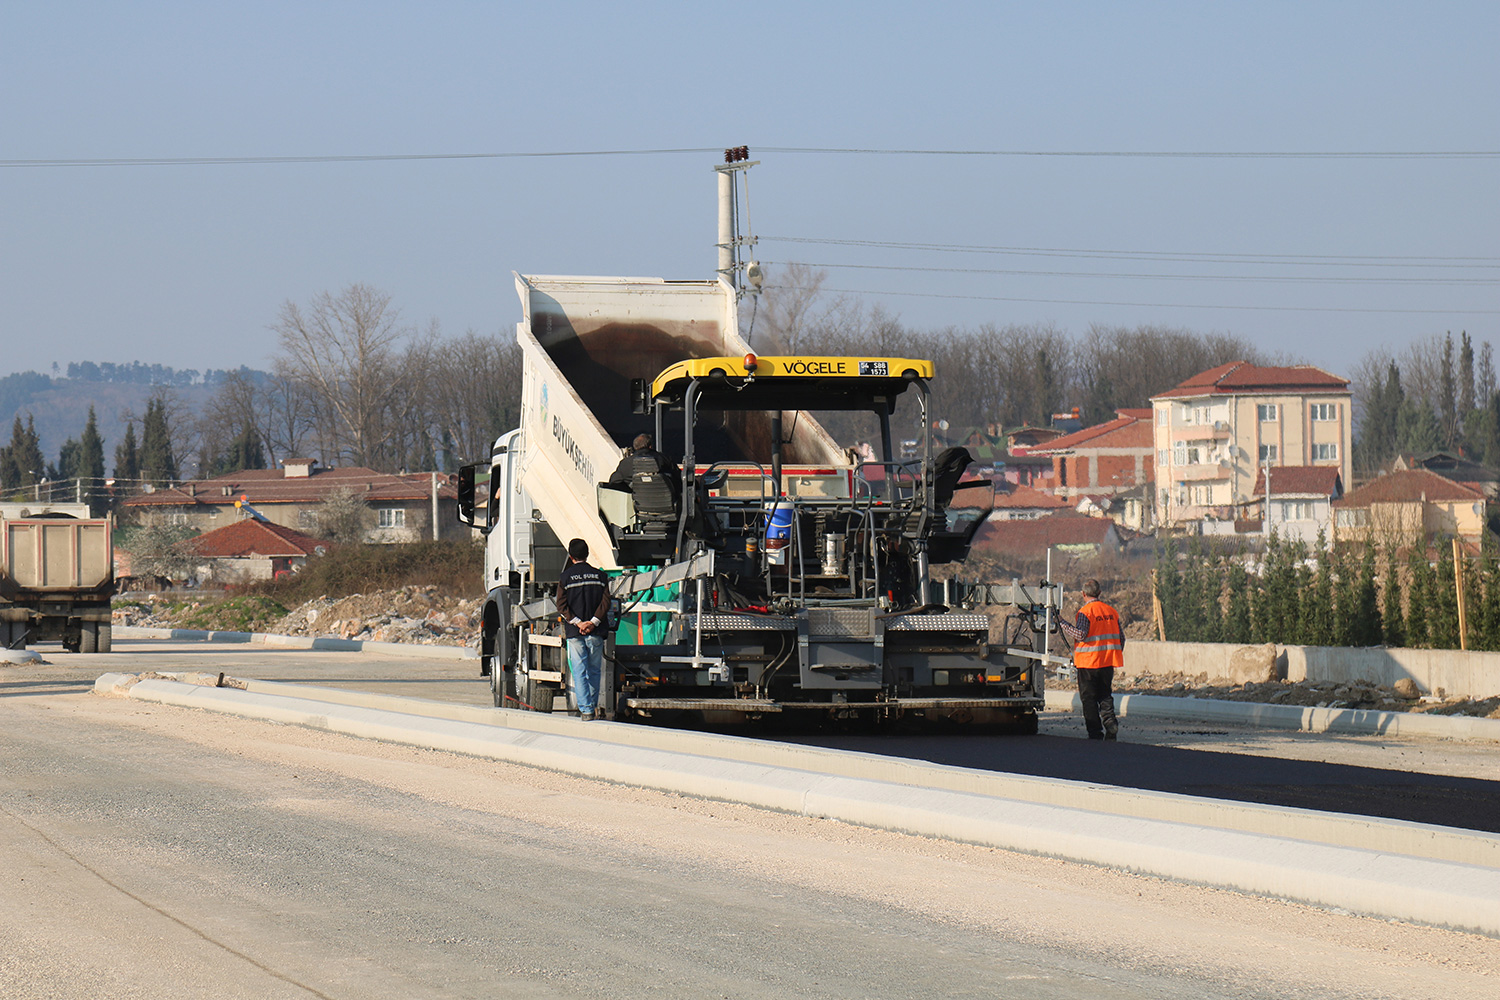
<point x="1096" y="690"/>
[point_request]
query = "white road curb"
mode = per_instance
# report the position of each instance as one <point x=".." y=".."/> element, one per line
<point x="1385" y="884"/>
<point x="419" y="650"/>
<point x="1353" y="721"/>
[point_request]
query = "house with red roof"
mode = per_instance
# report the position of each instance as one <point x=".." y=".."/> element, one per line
<point x="251" y="549"/>
<point x="1404" y="507"/>
<point x="398" y="508"/>
<point x="1068" y="534"/>
<point x="1215" y="432"/>
<point x="1299" y="504"/>
<point x="1113" y="457"/>
<point x="1026" y="504"/>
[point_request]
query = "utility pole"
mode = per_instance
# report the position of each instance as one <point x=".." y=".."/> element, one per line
<point x="736" y="162"/>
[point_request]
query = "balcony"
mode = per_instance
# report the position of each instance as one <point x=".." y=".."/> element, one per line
<point x="1216" y="431"/>
<point x="1202" y="472"/>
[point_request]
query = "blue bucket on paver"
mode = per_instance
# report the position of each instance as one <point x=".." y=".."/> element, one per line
<point x="779" y="526"/>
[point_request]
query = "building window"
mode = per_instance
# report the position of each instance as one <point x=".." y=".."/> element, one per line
<point x="1163" y="416"/>
<point x="1179" y="453"/>
<point x="1325" y="411"/>
<point x="1325" y="452"/>
<point x="1268" y="453"/>
<point x="1187" y="414"/>
<point x="393" y="517"/>
<point x="1296" y="510"/>
<point x="1265" y="412"/>
<point x="1352" y="517"/>
<point x="1162" y="456"/>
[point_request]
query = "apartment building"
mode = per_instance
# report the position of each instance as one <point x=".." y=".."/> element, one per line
<point x="1218" y="430"/>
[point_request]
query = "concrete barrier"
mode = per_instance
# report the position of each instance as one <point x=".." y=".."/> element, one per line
<point x="1224" y="663"/>
<point x="1453" y="672"/>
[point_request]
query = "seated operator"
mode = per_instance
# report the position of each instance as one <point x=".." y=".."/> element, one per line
<point x="642" y="457"/>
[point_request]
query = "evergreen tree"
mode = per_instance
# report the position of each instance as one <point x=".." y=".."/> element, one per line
<point x="128" y="458"/>
<point x="67" y="460"/>
<point x="1368" y="627"/>
<point x="1191" y="599"/>
<point x="24" y="464"/>
<point x="157" y="464"/>
<point x="1169" y="588"/>
<point x="1393" y="617"/>
<point x="1237" y="625"/>
<point x="1488" y="609"/>
<point x="1417" y="429"/>
<point x="1418" y="597"/>
<point x="1448" y="395"/>
<point x="1045" y="398"/>
<point x="1316" y="620"/>
<point x="1345" y="584"/>
<point x="1473" y="601"/>
<point x="91" y="461"/>
<point x="1442" y="620"/>
<point x="1465" y="375"/>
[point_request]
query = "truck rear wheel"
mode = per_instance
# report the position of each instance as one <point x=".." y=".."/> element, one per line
<point x="11" y="632"/>
<point x="503" y="685"/>
<point x="88" y="637"/>
<point x="537" y="697"/>
<point x="106" y="637"/>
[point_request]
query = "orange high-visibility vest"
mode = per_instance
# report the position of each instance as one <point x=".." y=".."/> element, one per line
<point x="1104" y="646"/>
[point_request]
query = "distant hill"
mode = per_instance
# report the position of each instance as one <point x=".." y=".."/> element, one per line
<point x="60" y="403"/>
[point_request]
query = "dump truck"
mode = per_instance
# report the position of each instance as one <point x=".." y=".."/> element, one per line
<point x="776" y="571"/>
<point x="56" y="576"/>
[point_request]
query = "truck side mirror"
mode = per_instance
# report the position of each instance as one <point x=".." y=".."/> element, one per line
<point x="466" y="494"/>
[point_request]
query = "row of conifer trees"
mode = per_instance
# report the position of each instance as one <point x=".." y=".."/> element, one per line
<point x="1360" y="594"/>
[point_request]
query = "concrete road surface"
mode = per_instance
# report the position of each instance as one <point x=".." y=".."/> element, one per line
<point x="166" y="853"/>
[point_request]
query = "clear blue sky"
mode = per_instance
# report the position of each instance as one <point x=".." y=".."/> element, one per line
<point x="187" y="265"/>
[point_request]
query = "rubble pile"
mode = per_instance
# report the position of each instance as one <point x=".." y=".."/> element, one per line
<point x="412" y="614"/>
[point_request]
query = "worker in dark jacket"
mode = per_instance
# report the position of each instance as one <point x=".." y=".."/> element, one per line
<point x="583" y="601"/>
<point x="1099" y="649"/>
<point x="641" y="457"/>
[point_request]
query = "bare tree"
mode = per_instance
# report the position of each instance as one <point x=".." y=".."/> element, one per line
<point x="793" y="311"/>
<point x="357" y="360"/>
<point x="475" y="394"/>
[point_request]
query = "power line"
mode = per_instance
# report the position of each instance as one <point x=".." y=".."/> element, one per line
<point x="1205" y="154"/>
<point x="220" y="161"/>
<point x="1156" y="305"/>
<point x="1320" y="279"/>
<point x="1174" y="256"/>
<point x="215" y="161"/>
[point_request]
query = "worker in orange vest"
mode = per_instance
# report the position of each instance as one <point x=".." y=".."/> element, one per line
<point x="1098" y="648"/>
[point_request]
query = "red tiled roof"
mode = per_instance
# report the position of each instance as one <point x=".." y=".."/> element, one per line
<point x="1308" y="480"/>
<point x="1121" y="432"/>
<point x="1144" y="413"/>
<point x="253" y="538"/>
<point x="1031" y="538"/>
<point x="1024" y="497"/>
<point x="1243" y="377"/>
<point x="267" y="486"/>
<point x="1409" y="486"/>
